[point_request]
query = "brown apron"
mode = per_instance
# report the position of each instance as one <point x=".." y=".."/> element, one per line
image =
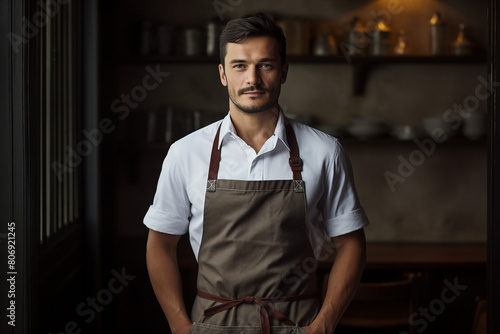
<point x="256" y="264"/>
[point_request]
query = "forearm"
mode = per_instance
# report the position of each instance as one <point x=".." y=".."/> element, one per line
<point x="167" y="284"/>
<point x="343" y="280"/>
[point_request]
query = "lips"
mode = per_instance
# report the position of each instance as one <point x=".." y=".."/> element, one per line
<point x="252" y="90"/>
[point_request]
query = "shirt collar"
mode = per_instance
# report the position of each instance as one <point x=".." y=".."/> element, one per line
<point x="227" y="128"/>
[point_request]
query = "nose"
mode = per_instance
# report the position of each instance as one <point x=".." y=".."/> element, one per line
<point x="254" y="76"/>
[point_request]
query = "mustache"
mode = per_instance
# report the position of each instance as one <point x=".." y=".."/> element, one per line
<point x="257" y="88"/>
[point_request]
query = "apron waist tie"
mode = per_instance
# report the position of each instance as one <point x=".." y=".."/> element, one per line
<point x="264" y="307"/>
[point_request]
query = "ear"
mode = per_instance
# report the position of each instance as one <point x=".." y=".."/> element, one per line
<point x="222" y="75"/>
<point x="284" y="73"/>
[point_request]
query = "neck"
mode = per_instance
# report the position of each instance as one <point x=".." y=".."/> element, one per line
<point x="255" y="129"/>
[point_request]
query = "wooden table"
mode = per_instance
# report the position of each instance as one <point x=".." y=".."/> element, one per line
<point x="420" y="255"/>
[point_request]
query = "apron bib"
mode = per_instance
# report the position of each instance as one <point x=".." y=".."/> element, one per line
<point x="253" y="255"/>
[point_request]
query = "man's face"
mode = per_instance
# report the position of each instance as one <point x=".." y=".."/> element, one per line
<point x="253" y="74"/>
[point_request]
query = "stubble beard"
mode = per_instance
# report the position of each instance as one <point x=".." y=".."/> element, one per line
<point x="255" y="108"/>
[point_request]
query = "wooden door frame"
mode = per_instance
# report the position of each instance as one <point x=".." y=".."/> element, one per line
<point x="494" y="172"/>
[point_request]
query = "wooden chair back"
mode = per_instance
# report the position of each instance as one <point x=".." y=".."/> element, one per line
<point x="479" y="325"/>
<point x="382" y="305"/>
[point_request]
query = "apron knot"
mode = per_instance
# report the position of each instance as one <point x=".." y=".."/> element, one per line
<point x="265" y="309"/>
<point x="249" y="299"/>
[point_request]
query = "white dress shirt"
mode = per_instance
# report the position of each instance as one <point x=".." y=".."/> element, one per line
<point x="332" y="203"/>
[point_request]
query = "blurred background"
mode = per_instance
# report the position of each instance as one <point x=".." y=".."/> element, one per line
<point x="402" y="84"/>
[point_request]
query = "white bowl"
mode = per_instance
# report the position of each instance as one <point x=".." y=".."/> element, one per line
<point x="405" y="132"/>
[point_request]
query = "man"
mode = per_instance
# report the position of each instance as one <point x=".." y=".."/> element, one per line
<point x="252" y="203"/>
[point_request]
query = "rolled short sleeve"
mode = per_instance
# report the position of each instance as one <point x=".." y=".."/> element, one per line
<point x="170" y="211"/>
<point x="342" y="213"/>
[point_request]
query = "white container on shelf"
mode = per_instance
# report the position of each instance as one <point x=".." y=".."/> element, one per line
<point x="474" y="126"/>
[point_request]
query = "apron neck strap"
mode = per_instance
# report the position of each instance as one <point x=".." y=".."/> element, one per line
<point x="295" y="161"/>
<point x="215" y="158"/>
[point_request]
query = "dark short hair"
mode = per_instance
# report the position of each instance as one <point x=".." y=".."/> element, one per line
<point x="254" y="25"/>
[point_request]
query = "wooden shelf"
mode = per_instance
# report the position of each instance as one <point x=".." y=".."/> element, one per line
<point x="174" y="59"/>
<point x="362" y="65"/>
<point x="420" y="256"/>
<point x="308" y="59"/>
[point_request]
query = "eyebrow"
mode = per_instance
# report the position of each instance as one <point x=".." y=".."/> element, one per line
<point x="263" y="60"/>
<point x="234" y="61"/>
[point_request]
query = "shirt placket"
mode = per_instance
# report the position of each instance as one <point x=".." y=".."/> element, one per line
<point x="257" y="165"/>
